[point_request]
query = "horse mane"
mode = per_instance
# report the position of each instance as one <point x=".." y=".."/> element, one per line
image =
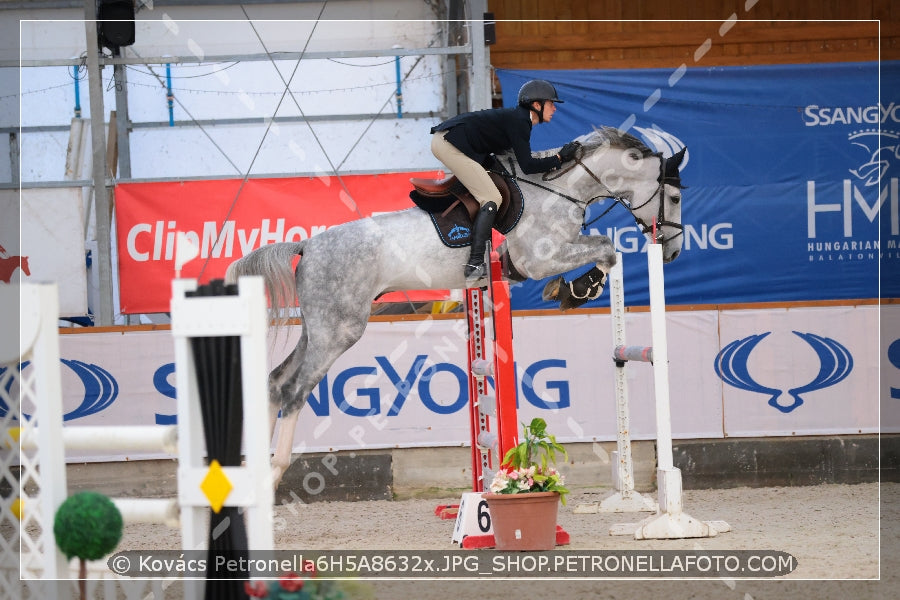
<point x="613" y="138"/>
<point x="600" y="137"/>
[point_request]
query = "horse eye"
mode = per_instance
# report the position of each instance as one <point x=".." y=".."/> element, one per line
<point x="676" y="199"/>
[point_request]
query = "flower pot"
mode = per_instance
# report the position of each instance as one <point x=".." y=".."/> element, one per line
<point x="524" y="521"/>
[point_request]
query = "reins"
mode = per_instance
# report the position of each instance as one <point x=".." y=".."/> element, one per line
<point x="656" y="227"/>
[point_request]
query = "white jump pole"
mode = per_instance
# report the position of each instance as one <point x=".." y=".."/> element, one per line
<point x="149" y="510"/>
<point x="660" y="362"/>
<point x="670" y="521"/>
<point x="134" y="438"/>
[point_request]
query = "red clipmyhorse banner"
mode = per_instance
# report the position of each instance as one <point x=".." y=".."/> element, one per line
<point x="226" y="221"/>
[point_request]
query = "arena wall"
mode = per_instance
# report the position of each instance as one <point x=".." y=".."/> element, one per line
<point x="655" y="33"/>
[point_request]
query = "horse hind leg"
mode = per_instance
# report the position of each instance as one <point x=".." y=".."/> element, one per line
<point x="281" y="459"/>
<point x="301" y="372"/>
<point x="291" y="399"/>
<point x="284" y="446"/>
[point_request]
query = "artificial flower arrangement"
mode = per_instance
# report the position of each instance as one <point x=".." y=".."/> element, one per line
<point x="527" y="467"/>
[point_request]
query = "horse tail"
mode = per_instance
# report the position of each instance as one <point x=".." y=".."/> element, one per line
<point x="273" y="263"/>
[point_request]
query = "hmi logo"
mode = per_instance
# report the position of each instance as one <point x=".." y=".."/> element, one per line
<point x="874" y="153"/>
<point x="877" y="151"/>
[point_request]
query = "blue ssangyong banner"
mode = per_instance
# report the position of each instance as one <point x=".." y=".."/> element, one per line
<point x="790" y="170"/>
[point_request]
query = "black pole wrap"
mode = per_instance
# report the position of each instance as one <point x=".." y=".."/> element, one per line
<point x="217" y="361"/>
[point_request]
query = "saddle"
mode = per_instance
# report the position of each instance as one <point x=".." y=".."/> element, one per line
<point x="452" y="207"/>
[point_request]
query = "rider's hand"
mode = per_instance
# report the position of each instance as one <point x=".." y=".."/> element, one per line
<point x="567" y="152"/>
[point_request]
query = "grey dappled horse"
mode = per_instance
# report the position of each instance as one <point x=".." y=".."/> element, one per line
<point x="344" y="268"/>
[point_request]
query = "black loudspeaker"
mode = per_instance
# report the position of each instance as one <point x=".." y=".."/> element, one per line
<point x="115" y="23"/>
<point x="490" y="29"/>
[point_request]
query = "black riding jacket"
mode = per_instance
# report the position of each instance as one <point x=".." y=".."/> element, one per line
<point x="480" y="133"/>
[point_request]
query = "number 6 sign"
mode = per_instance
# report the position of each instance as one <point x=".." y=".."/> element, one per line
<point x="473" y="527"/>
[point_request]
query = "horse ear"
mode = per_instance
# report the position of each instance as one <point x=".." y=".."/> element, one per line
<point x="673" y="163"/>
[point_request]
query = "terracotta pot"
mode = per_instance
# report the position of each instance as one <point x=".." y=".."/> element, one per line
<point x="524" y="521"/>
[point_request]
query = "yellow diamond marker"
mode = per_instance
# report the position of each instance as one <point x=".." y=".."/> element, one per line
<point x="18" y="508"/>
<point x="216" y="486"/>
<point x="14" y="434"/>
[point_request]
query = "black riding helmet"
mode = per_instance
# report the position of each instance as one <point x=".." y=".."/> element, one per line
<point x="537" y="90"/>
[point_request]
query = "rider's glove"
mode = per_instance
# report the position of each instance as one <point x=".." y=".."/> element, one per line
<point x="567" y="152"/>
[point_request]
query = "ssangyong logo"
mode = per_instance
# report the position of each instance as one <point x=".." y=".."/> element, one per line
<point x="664" y="142"/>
<point x="699" y="236"/>
<point x="100" y="389"/>
<point x="835" y="363"/>
<point x="819" y="116"/>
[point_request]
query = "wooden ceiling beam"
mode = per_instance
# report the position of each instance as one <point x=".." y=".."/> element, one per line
<point x="746" y="32"/>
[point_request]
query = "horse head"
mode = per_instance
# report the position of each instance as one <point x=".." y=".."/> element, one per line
<point x="23" y="264"/>
<point x="642" y="180"/>
<point x="670" y="209"/>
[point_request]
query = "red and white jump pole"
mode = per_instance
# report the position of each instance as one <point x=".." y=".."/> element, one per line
<point x="489" y="445"/>
<point x="493" y="416"/>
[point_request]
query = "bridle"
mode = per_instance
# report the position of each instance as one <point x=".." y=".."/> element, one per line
<point x="655" y="228"/>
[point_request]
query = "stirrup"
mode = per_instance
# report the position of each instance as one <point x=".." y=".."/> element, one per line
<point x="476" y="275"/>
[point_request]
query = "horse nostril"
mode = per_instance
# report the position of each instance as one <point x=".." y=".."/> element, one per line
<point x="675" y="255"/>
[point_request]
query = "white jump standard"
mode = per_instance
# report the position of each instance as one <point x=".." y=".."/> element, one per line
<point x="670" y="520"/>
<point x="43" y="441"/>
<point x="625" y="498"/>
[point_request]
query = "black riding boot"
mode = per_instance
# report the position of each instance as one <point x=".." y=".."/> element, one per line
<point x="476" y="268"/>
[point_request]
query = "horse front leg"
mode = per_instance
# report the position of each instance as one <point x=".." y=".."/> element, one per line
<point x="588" y="286"/>
<point x="572" y="294"/>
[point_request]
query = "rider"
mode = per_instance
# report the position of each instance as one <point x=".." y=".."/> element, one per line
<point x="465" y="142"/>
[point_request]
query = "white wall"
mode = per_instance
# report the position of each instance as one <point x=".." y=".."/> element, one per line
<point x="249" y="89"/>
<point x="64" y="41"/>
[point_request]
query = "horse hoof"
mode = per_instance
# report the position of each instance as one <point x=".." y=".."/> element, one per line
<point x="551" y="290"/>
<point x="277" y="473"/>
<point x="570" y="302"/>
<point x="476" y="282"/>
